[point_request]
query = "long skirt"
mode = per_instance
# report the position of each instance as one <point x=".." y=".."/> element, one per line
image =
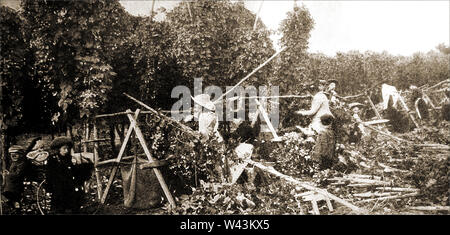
<point x="324" y="149"/>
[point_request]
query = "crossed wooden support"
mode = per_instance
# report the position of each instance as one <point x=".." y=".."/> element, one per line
<point x="152" y="162"/>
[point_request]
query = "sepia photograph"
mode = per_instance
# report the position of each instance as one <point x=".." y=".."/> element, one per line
<point x="219" y="107"/>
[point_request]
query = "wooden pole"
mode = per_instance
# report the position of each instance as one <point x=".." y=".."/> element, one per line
<point x="86" y="137"/>
<point x="151" y="11"/>
<point x="386" y="134"/>
<point x="119" y="157"/>
<point x="97" y="174"/>
<point x="438" y="84"/>
<point x="427" y="98"/>
<point x="189" y="9"/>
<point x="151" y="159"/>
<point x="249" y="75"/>
<point x="402" y="101"/>
<point x="268" y="123"/>
<point x="373" y="107"/>
<point x="257" y="15"/>
<point x="391" y="197"/>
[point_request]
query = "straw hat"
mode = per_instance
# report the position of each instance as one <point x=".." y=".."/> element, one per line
<point x="356" y="104"/>
<point x="204" y="100"/>
<point x="16" y="149"/>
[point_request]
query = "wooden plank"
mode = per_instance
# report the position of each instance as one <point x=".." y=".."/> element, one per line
<point x="156" y="163"/>
<point x="329" y="205"/>
<point x="373" y="194"/>
<point x="380" y="121"/>
<point x="315" y="207"/>
<point x="119" y="157"/>
<point x="94" y="140"/>
<point x="430" y="208"/>
<point x="151" y="159"/>
<point x="397" y="189"/>
<point x="113" y="161"/>
<point x="363" y="176"/>
<point x="390" y="197"/>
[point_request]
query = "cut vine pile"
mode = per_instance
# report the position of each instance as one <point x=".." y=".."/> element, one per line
<point x="379" y="175"/>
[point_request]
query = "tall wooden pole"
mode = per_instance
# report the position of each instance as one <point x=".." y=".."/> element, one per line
<point x="97" y="174"/>
<point x="257" y="16"/>
<point x="250" y="74"/>
<point x="151" y="11"/>
<point x="189" y="9"/>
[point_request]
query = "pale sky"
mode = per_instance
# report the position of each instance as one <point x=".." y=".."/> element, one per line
<point x="398" y="27"/>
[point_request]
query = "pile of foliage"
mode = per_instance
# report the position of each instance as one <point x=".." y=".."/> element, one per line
<point x="272" y="196"/>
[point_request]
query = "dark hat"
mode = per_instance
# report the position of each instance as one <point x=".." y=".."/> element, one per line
<point x="16" y="149"/>
<point x="326" y="119"/>
<point x="61" y="141"/>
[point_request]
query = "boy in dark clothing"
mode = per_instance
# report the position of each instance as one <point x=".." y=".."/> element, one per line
<point x="14" y="179"/>
<point x="64" y="178"/>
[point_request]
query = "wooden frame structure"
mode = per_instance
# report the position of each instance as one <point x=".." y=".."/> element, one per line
<point x="152" y="162"/>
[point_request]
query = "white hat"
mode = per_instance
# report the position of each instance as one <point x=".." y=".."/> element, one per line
<point x="356" y="104"/>
<point x="204" y="100"/>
